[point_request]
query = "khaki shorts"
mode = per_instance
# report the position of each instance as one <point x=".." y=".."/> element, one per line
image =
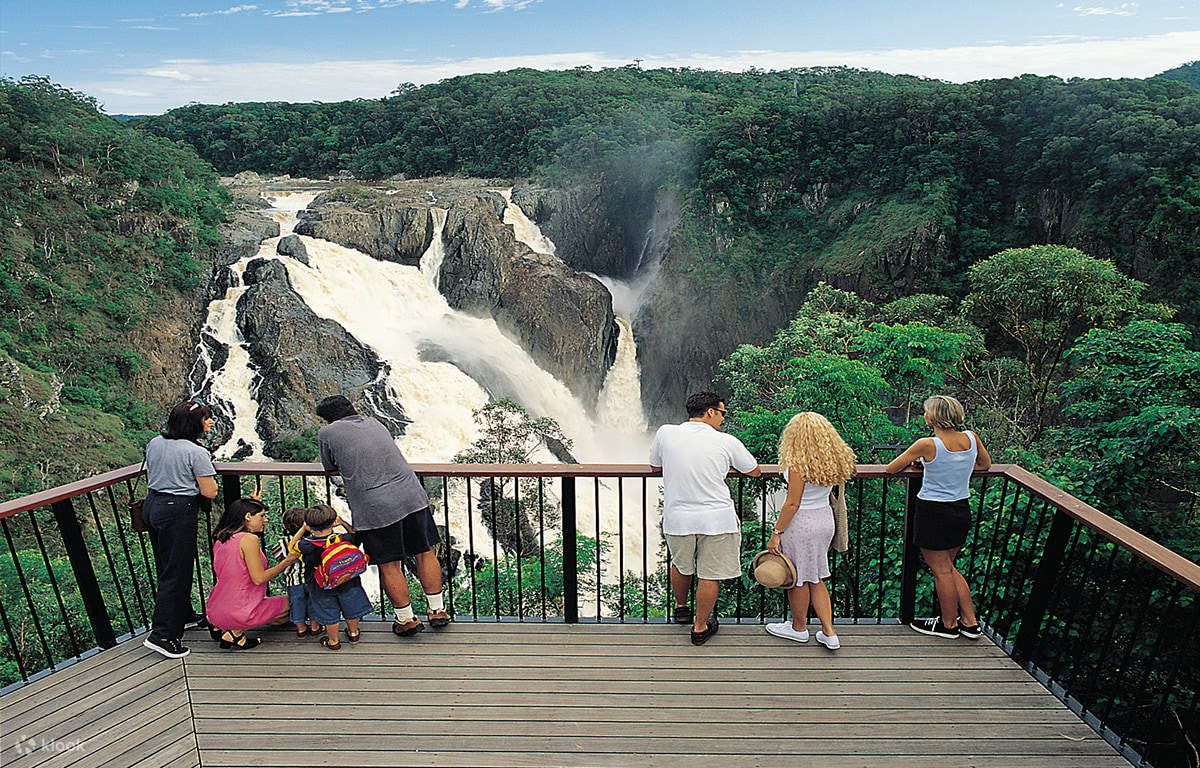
<point x="708" y="556"/>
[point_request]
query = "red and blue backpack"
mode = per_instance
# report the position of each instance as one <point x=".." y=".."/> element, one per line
<point x="340" y="562"/>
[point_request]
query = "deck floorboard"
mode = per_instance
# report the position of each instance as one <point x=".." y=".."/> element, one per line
<point x="601" y="695"/>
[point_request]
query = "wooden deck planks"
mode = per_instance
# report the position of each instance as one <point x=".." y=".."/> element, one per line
<point x="125" y="706"/>
<point x="570" y="695"/>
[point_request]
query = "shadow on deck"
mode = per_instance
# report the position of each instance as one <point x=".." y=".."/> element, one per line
<point x="550" y="695"/>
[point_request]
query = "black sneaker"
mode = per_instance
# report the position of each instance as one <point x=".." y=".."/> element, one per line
<point x="971" y="633"/>
<point x="934" y="627"/>
<point x="710" y="629"/>
<point x="172" y="649"/>
<point x="195" y="621"/>
<point x="684" y="615"/>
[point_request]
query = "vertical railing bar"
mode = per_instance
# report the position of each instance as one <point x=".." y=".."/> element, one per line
<point x="495" y="549"/>
<point x="304" y="490"/>
<point x="741" y="504"/>
<point x="137" y="593"/>
<point x="645" y="559"/>
<point x="1137" y="627"/>
<point x="542" y="541"/>
<point x="975" y="529"/>
<point x="1154" y="656"/>
<point x="621" y="547"/>
<point x="1044" y="588"/>
<point x="474" y="557"/>
<point x="85" y="572"/>
<point x="762" y="544"/>
<point x="858" y="574"/>
<point x="450" y="574"/>
<point x="328" y="490"/>
<point x="1078" y="648"/>
<point x="1068" y="559"/>
<point x="1073" y="604"/>
<point x="37" y="622"/>
<point x="1016" y="559"/>
<point x="112" y="568"/>
<point x="519" y="517"/>
<point x="282" y="495"/>
<point x="599" y="544"/>
<point x="570" y="542"/>
<point x="151" y="572"/>
<point x="910" y="555"/>
<point x="1102" y="648"/>
<point x="62" y="606"/>
<point x="12" y="642"/>
<point x="882" y="539"/>
<point x="1186" y="639"/>
<point x="985" y="585"/>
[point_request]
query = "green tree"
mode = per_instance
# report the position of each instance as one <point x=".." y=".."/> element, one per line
<point x="1039" y="300"/>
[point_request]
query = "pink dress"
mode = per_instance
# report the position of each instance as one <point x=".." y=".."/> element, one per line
<point x="236" y="602"/>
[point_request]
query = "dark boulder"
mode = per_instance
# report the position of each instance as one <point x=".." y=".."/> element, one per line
<point x="367" y="221"/>
<point x="293" y="246"/>
<point x="301" y="358"/>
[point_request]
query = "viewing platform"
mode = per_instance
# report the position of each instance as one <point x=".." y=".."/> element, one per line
<point x="510" y="694"/>
<point x="561" y="652"/>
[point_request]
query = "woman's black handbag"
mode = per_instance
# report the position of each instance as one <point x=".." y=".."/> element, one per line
<point x="135" y="511"/>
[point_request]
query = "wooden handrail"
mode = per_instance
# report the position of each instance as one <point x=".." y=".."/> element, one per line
<point x="1162" y="558"/>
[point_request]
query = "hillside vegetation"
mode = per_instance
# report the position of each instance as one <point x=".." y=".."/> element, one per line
<point x="834" y="170"/>
<point x="104" y="230"/>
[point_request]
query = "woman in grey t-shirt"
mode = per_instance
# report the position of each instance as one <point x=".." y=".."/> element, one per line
<point x="179" y="474"/>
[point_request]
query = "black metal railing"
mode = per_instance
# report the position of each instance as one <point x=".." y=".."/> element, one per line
<point x="1102" y="616"/>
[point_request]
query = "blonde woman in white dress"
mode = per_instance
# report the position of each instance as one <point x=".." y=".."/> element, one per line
<point x="815" y="458"/>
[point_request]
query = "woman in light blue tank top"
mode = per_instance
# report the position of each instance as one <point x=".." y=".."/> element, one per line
<point x="942" y="517"/>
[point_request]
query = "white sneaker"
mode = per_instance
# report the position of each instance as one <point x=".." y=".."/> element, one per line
<point x="785" y="630"/>
<point x="829" y="641"/>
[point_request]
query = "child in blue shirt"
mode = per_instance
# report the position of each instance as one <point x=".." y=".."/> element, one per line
<point x="329" y="606"/>
<point x="297" y="592"/>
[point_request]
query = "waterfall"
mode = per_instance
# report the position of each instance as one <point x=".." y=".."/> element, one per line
<point x="435" y="254"/>
<point x="397" y="311"/>
<point x="620" y="402"/>
<point x="235" y="383"/>
<point x="524" y="229"/>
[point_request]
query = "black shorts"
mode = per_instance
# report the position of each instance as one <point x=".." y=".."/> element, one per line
<point x="940" y="525"/>
<point x="407" y="537"/>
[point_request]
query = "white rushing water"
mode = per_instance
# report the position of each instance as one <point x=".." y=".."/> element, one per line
<point x="525" y="230"/>
<point x="397" y="311"/>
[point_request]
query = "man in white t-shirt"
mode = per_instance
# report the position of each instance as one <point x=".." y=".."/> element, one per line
<point x="699" y="520"/>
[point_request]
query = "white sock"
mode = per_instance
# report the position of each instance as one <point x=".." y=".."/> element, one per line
<point x="404" y="614"/>
<point x="436" y="602"/>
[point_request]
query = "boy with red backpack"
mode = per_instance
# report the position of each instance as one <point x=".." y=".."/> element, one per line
<point x="333" y="564"/>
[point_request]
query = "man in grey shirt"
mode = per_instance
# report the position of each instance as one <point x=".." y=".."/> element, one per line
<point x="389" y="506"/>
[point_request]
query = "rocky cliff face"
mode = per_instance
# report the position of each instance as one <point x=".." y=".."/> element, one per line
<point x="301" y="358"/>
<point x="370" y="223"/>
<point x="563" y="318"/>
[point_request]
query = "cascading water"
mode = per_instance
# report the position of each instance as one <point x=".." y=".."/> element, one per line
<point x="525" y="230"/>
<point x="397" y="311"/>
<point x="435" y="254"/>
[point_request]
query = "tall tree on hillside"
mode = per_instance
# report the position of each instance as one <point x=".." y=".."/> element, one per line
<point x="1039" y="300"/>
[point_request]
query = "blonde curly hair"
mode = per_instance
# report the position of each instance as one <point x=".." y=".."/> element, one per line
<point x="811" y="447"/>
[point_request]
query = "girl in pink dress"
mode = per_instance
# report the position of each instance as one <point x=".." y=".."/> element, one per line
<point x="239" y="600"/>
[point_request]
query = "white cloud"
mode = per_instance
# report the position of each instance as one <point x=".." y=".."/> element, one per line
<point x="169" y="74"/>
<point x="1125" y="9"/>
<point x="88" y="26"/>
<point x="13" y="56"/>
<point x="226" y="12"/>
<point x="153" y="28"/>
<point x="129" y="92"/>
<point x="216" y="82"/>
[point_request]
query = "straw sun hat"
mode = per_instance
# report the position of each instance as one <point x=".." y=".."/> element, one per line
<point x="772" y="570"/>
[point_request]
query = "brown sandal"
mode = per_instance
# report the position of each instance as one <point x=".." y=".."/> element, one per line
<point x="408" y="629"/>
<point x="354" y="637"/>
<point x="334" y="646"/>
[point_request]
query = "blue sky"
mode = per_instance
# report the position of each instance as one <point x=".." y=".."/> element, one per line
<point x="139" y="56"/>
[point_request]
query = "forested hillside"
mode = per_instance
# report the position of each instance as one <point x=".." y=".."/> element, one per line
<point x="1187" y="73"/>
<point x="103" y="234"/>
<point x="895" y="184"/>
